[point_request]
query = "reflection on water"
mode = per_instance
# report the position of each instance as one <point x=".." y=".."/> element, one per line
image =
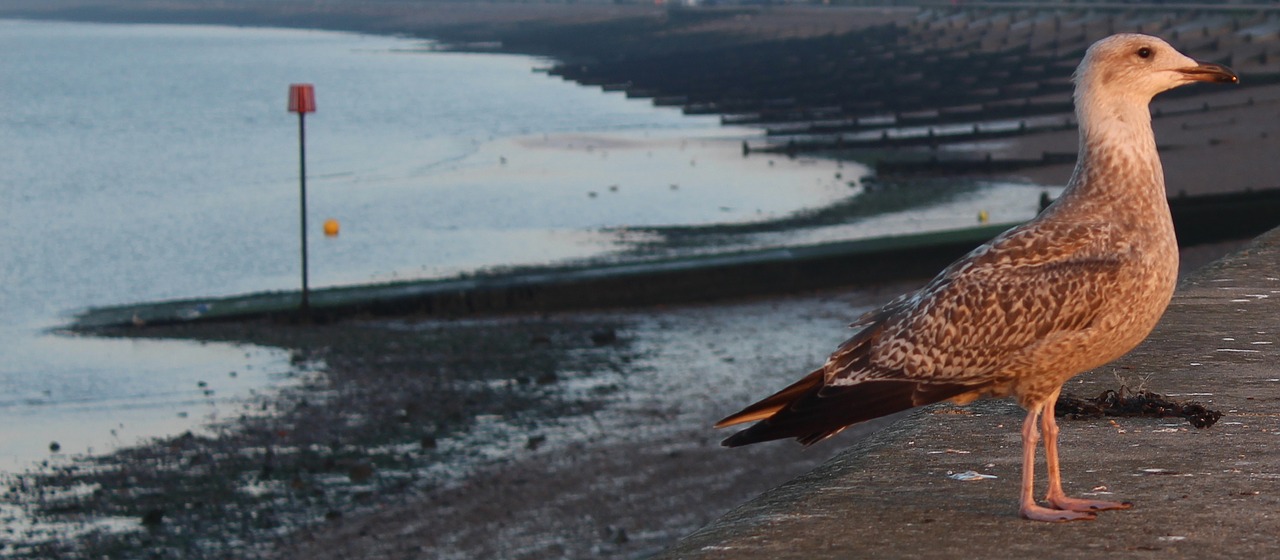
<point x="110" y="392"/>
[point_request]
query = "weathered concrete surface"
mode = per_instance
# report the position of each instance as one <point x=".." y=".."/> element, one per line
<point x="1197" y="493"/>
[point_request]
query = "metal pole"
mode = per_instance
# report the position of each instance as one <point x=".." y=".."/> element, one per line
<point x="302" y="158"/>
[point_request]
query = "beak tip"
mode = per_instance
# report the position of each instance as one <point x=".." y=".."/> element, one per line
<point x="1212" y="72"/>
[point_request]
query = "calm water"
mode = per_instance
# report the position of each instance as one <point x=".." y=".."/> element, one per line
<point x="155" y="162"/>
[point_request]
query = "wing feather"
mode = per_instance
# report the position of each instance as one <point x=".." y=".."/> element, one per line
<point x="1001" y="299"/>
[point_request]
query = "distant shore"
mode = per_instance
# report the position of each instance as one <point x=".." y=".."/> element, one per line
<point x="568" y="30"/>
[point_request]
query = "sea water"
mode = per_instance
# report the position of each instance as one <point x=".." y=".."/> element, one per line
<point x="151" y="162"/>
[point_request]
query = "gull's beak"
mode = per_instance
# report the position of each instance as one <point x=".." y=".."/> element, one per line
<point x="1210" y="72"/>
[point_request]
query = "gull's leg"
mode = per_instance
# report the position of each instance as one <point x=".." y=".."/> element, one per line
<point x="1056" y="497"/>
<point x="1028" y="507"/>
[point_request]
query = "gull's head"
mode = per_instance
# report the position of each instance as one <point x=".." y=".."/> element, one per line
<point x="1137" y="67"/>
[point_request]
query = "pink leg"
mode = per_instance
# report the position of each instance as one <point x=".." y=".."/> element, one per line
<point x="1056" y="497"/>
<point x="1028" y="507"/>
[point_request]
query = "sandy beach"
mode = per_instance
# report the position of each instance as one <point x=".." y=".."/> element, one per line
<point x="530" y="437"/>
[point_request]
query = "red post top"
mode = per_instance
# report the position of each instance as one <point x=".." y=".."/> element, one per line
<point x="302" y="98"/>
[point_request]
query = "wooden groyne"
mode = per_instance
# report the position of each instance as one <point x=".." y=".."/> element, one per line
<point x="946" y="66"/>
<point x="899" y="133"/>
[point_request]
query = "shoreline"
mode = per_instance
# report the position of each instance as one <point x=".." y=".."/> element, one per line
<point x="707" y="277"/>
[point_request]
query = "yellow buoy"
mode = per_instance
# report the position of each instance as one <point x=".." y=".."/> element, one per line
<point x="331" y="227"/>
<point x="983" y="217"/>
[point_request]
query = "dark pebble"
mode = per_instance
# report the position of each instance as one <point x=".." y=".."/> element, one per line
<point x="153" y="517"/>
<point x="360" y="473"/>
<point x="534" y="442"/>
<point x="604" y="336"/>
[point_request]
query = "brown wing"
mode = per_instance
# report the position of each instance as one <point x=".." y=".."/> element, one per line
<point x="1000" y="299"/>
<point x="951" y="337"/>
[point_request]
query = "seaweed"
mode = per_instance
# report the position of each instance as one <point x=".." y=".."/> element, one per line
<point x="1132" y="404"/>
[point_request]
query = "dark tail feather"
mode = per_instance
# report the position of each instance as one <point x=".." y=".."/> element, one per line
<point x="770" y="405"/>
<point x="813" y="412"/>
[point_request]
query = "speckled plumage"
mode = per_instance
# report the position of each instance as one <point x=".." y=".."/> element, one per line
<point x="1073" y="289"/>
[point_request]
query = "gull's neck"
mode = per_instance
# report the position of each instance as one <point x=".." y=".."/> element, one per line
<point x="1118" y="169"/>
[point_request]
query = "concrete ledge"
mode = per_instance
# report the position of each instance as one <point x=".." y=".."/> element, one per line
<point x="1197" y="493"/>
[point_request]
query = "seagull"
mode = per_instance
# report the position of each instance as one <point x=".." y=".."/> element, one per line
<point x="1073" y="289"/>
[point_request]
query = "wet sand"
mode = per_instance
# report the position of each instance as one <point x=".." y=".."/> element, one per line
<point x="572" y="435"/>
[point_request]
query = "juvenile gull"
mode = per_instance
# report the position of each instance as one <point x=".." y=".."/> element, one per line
<point x="1071" y="290"/>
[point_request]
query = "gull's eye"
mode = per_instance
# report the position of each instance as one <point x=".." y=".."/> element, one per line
<point x="1144" y="52"/>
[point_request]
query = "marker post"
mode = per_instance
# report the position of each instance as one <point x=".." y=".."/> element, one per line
<point x="302" y="100"/>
